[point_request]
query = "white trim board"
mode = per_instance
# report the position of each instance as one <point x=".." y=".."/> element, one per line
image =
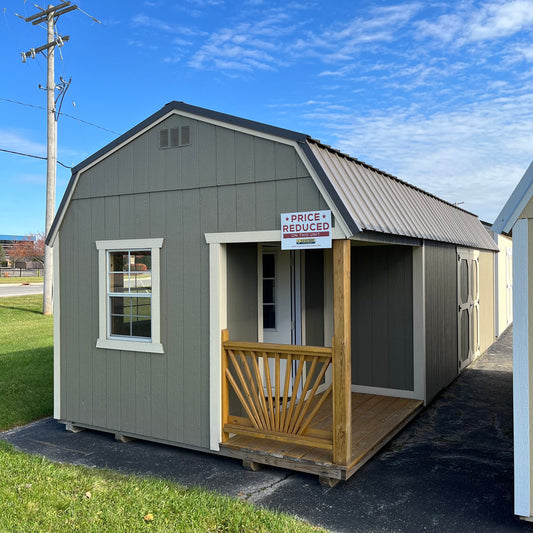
<point x="521" y="370"/>
<point x="57" y="332"/>
<point x="395" y="393"/>
<point x="254" y="236"/>
<point x="419" y="323"/>
<point x="515" y="204"/>
<point x="218" y="321"/>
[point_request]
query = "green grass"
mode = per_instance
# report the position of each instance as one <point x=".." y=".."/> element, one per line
<point x="26" y="355"/>
<point x="42" y="496"/>
<point x="38" y="495"/>
<point x="23" y="279"/>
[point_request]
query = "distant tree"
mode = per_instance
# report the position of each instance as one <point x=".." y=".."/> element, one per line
<point x="2" y="255"/>
<point x="38" y="248"/>
<point x="29" y="249"/>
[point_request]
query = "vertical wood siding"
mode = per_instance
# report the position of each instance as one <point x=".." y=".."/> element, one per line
<point x="382" y="317"/>
<point x="225" y="181"/>
<point x="441" y="316"/>
<point x="314" y="298"/>
<point x="242" y="292"/>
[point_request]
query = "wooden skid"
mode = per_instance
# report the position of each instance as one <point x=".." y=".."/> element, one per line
<point x="375" y="421"/>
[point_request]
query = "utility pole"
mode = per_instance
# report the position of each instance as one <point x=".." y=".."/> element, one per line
<point x="49" y="16"/>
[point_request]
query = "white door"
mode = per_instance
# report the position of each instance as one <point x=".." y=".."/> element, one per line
<point x="279" y="300"/>
<point x="276" y="296"/>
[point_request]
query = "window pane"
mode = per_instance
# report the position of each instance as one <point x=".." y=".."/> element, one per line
<point x="141" y="261"/>
<point x="140" y="307"/>
<point x="269" y="266"/>
<point x="268" y="291"/>
<point x="141" y="282"/>
<point x="119" y="306"/>
<point x="142" y="328"/>
<point x="120" y="325"/>
<point x="131" y="316"/>
<point x="118" y="261"/>
<point x="269" y="316"/>
<point x="118" y="282"/>
<point x="141" y="321"/>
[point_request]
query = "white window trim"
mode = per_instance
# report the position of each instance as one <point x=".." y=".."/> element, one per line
<point x="104" y="341"/>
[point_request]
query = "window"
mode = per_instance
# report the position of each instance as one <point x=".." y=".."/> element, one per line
<point x="269" y="291"/>
<point x="129" y="295"/>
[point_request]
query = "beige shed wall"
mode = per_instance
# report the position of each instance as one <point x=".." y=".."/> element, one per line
<point x="505" y="303"/>
<point x="486" y="300"/>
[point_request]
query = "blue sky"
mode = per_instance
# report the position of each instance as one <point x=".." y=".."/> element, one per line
<point x="439" y="94"/>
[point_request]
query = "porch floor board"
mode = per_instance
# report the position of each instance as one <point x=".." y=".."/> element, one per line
<point x="375" y="421"/>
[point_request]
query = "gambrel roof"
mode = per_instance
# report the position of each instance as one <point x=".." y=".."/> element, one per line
<point x="367" y="200"/>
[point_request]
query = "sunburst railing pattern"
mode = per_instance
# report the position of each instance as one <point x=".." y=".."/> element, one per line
<point x="280" y="388"/>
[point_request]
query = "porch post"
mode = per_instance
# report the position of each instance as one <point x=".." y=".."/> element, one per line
<point x="342" y="353"/>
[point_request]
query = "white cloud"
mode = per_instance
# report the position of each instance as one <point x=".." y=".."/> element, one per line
<point x="244" y="47"/>
<point x="445" y="28"/>
<point x="282" y="36"/>
<point x="493" y="20"/>
<point x="525" y="52"/>
<point x="473" y="154"/>
<point x="204" y="3"/>
<point x="500" y="19"/>
<point x="342" y="41"/>
<point x="32" y="179"/>
<point x="144" y="21"/>
<point x="17" y="142"/>
<point x="151" y="22"/>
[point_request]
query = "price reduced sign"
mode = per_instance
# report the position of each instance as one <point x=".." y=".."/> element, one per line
<point x="311" y="229"/>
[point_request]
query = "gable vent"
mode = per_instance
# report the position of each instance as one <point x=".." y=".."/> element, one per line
<point x="175" y="137"/>
<point x="163" y="139"/>
<point x="185" y="135"/>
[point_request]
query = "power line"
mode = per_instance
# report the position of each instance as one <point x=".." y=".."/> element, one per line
<point x="62" y="114"/>
<point x="31" y="155"/>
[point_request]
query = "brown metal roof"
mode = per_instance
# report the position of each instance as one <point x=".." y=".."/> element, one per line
<point x="379" y="202"/>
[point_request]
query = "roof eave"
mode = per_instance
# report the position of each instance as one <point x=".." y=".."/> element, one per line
<point x="515" y="204"/>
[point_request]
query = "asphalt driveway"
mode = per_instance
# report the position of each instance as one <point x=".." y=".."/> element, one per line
<point x="450" y="470"/>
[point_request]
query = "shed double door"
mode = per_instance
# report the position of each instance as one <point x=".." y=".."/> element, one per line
<point x="468" y="306"/>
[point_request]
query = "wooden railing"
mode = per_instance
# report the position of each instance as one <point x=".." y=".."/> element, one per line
<point x="277" y="386"/>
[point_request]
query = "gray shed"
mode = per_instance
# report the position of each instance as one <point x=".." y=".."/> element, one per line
<point x="180" y="318"/>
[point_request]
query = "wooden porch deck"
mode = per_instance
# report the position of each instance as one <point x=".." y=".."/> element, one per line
<point x="375" y="421"/>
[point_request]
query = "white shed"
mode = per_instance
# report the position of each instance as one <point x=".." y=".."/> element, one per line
<point x="516" y="218"/>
